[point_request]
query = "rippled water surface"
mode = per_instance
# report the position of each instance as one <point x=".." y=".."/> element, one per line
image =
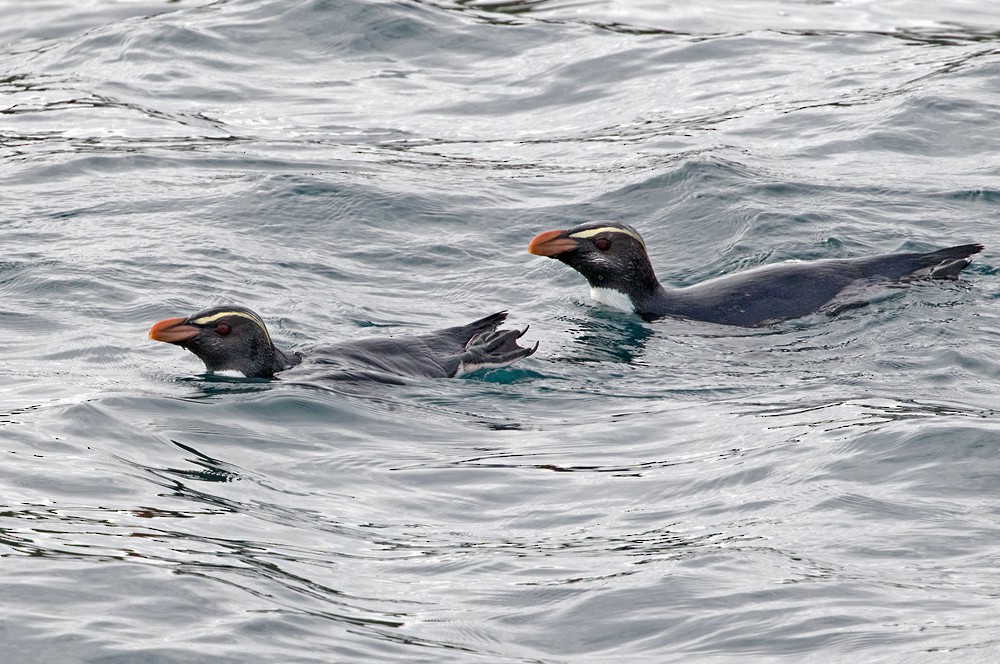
<point x="820" y="490"/>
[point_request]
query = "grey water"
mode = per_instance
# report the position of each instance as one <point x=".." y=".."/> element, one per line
<point x="825" y="489"/>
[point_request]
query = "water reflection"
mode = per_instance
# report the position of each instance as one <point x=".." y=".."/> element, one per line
<point x="505" y="460"/>
<point x="834" y="414"/>
<point x="262" y="568"/>
<point x="606" y="335"/>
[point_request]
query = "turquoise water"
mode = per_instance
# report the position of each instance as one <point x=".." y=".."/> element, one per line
<point x="821" y="490"/>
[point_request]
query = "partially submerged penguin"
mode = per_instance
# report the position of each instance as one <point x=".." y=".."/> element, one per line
<point x="613" y="259"/>
<point x="235" y="338"/>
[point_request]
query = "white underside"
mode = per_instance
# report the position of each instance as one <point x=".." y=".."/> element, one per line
<point x="469" y="367"/>
<point x="610" y="297"/>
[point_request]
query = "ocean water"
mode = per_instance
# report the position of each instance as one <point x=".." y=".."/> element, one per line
<point x="820" y="490"/>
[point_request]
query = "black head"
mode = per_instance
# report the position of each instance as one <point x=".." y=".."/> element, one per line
<point x="609" y="254"/>
<point x="226" y="338"/>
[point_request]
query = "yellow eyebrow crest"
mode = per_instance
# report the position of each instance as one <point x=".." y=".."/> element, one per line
<point x="591" y="232"/>
<point x="205" y="320"/>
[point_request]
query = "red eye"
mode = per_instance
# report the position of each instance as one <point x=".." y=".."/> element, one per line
<point x="222" y="329"/>
<point x="602" y="243"/>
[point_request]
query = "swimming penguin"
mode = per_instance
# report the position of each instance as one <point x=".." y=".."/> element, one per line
<point x="235" y="338"/>
<point x="613" y="258"/>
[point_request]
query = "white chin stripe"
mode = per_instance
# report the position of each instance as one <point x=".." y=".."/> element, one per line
<point x="591" y="232"/>
<point x="612" y="298"/>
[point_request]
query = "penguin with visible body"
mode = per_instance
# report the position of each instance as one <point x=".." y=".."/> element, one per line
<point x="235" y="338"/>
<point x="613" y="259"/>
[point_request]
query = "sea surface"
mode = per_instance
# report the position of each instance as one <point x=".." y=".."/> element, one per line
<point x="825" y="489"/>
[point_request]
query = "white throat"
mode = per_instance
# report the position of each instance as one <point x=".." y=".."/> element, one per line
<point x="612" y="298"/>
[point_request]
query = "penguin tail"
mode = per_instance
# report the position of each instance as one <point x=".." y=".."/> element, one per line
<point x="485" y="324"/>
<point x="947" y="263"/>
<point x="941" y="264"/>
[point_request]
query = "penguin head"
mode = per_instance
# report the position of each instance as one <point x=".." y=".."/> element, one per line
<point x="608" y="254"/>
<point x="226" y="338"/>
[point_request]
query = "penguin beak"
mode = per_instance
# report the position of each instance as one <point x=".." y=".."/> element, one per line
<point x="173" y="331"/>
<point x="551" y="244"/>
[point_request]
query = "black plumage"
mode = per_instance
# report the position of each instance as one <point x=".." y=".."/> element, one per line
<point x="235" y="338"/>
<point x="613" y="259"/>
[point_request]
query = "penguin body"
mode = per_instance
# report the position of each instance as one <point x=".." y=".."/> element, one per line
<point x="613" y="259"/>
<point x="235" y="338"/>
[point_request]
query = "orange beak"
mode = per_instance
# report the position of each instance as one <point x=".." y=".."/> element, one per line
<point x="173" y="331"/>
<point x="551" y="244"/>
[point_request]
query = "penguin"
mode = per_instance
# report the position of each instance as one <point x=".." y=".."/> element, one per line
<point x="235" y="338"/>
<point x="613" y="258"/>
